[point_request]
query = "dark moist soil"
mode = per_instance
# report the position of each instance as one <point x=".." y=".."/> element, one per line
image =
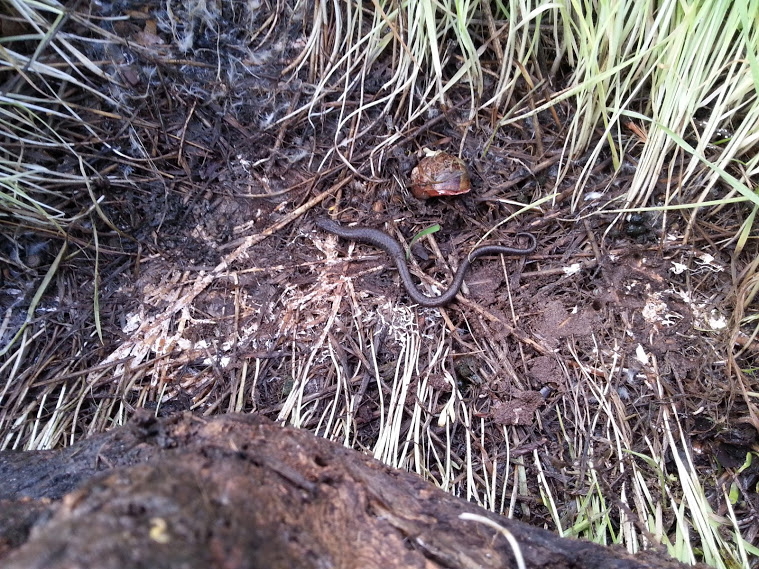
<point x="224" y="171"/>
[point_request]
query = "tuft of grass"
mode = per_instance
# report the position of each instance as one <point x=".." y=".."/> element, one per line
<point x="690" y="71"/>
<point x="49" y="211"/>
<point x="35" y="189"/>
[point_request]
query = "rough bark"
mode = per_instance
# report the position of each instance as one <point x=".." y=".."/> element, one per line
<point x="240" y="491"/>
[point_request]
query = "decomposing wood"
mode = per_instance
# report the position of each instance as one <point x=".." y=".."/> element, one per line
<point x="241" y="491"/>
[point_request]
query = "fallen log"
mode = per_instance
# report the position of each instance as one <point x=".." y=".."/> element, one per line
<point x="241" y="491"/>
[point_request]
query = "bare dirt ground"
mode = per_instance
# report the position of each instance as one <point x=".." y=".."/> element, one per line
<point x="217" y="293"/>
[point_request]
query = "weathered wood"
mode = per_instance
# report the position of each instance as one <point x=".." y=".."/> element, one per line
<point x="240" y="491"/>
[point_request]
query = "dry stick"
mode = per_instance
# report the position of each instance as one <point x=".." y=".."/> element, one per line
<point x="540" y="167"/>
<point x="560" y="271"/>
<point x="493" y="42"/>
<point x="531" y="102"/>
<point x="746" y="342"/>
<point x="180" y="153"/>
<point x="286" y="220"/>
<point x="516" y="332"/>
<point x="592" y="239"/>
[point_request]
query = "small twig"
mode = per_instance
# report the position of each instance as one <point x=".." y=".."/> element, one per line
<point x="592" y="239"/>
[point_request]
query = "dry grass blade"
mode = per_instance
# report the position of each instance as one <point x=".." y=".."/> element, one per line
<point x="36" y="299"/>
<point x="503" y="531"/>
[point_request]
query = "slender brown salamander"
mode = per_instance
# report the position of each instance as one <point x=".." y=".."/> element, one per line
<point x="393" y="248"/>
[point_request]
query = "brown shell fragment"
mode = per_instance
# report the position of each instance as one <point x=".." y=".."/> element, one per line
<point x="441" y="174"/>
